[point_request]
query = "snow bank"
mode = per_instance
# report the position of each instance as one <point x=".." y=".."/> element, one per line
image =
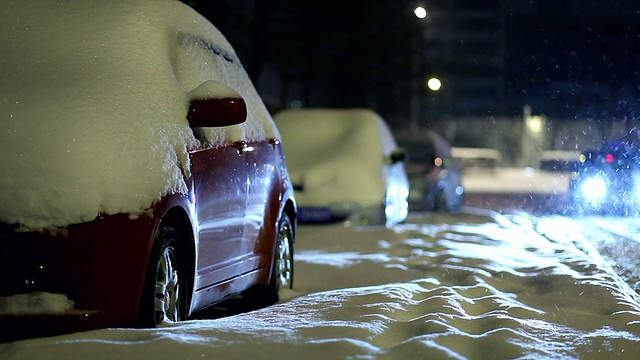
<point x="481" y="286"/>
<point x="93" y="98"/>
<point x="38" y="303"/>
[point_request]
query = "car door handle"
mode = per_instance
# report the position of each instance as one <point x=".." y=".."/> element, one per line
<point x="274" y="143"/>
<point x="240" y="148"/>
<point x="243" y="148"/>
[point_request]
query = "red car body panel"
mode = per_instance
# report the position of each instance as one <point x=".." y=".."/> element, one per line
<point x="229" y="218"/>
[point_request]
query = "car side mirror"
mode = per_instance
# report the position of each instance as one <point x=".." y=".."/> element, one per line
<point x="398" y="155"/>
<point x="214" y="104"/>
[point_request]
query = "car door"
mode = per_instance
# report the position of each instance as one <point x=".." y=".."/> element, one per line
<point x="263" y="160"/>
<point x="220" y="188"/>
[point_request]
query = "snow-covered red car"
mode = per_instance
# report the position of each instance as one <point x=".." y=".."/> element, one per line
<point x="141" y="177"/>
<point x="345" y="166"/>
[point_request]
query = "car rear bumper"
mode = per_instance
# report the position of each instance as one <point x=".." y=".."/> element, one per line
<point x="84" y="275"/>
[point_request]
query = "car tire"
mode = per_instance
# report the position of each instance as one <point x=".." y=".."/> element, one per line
<point x="440" y="201"/>
<point x="281" y="267"/>
<point x="282" y="272"/>
<point x="163" y="300"/>
<point x="429" y="199"/>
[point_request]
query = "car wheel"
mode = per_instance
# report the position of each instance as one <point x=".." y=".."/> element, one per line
<point x="283" y="259"/>
<point x="163" y="299"/>
<point x="440" y="201"/>
<point x="281" y="268"/>
<point x="429" y="199"/>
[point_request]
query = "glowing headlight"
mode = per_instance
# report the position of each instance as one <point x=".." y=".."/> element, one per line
<point x="388" y="210"/>
<point x="594" y="189"/>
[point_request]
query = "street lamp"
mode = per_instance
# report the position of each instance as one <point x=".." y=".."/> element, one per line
<point x="414" y="85"/>
<point x="420" y="12"/>
<point x="534" y="137"/>
<point x="434" y="84"/>
<point x="534" y="123"/>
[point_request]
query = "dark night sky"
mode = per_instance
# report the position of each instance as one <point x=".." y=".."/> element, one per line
<point x="568" y="58"/>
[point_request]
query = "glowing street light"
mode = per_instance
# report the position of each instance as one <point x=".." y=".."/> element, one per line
<point x="534" y="123"/>
<point x="434" y="84"/>
<point x="420" y="12"/>
<point x="414" y="80"/>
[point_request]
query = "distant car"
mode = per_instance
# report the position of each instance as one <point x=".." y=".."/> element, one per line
<point x="142" y="178"/>
<point x="559" y="160"/>
<point x="607" y="180"/>
<point x="477" y="159"/>
<point x="345" y="165"/>
<point x="435" y="176"/>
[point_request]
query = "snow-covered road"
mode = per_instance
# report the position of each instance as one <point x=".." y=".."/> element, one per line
<point x="475" y="285"/>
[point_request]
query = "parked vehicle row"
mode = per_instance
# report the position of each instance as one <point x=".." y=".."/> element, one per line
<point x="144" y="179"/>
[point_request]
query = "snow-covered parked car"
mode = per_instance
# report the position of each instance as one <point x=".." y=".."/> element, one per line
<point x="345" y="165"/>
<point x="474" y="159"/>
<point x="141" y="177"/>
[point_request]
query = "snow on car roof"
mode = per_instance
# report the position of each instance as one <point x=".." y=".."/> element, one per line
<point x="93" y="99"/>
<point x="560" y="155"/>
<point x="327" y="126"/>
<point x="475" y="153"/>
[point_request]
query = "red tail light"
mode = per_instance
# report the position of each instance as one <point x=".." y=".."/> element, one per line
<point x="609" y="158"/>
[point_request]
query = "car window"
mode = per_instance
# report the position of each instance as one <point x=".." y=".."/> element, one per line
<point x="419" y="151"/>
